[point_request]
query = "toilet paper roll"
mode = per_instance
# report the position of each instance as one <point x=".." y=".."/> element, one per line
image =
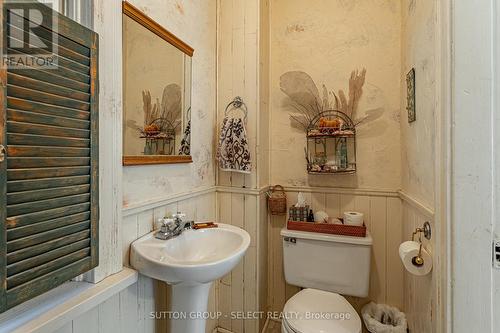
<point x="408" y="251"/>
<point x="353" y="218"/>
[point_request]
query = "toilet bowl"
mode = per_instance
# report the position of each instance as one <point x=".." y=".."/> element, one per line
<point x="327" y="266"/>
<point x="317" y="311"/>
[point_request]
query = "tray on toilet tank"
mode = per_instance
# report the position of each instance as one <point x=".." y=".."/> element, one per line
<point x="328" y="228"/>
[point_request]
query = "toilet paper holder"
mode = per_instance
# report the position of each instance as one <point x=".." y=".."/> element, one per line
<point x="427" y="232"/>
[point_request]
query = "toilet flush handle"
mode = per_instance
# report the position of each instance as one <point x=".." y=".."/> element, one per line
<point x="291" y="240"/>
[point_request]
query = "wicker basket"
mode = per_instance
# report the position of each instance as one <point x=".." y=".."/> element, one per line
<point x="277" y="201"/>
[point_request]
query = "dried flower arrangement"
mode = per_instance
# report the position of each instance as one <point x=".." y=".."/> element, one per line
<point x="161" y="119"/>
<point x="305" y="98"/>
<point x="329" y="121"/>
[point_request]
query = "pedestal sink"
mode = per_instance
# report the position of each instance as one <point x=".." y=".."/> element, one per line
<point x="190" y="263"/>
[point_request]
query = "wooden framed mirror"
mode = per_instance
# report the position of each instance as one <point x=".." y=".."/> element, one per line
<point x="156" y="92"/>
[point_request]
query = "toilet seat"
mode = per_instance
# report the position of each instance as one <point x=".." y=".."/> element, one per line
<point x="317" y="311"/>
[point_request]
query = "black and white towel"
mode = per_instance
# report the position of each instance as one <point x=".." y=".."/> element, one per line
<point x="185" y="148"/>
<point x="233" y="153"/>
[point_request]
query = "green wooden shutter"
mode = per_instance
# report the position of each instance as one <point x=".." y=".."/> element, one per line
<point x="49" y="179"/>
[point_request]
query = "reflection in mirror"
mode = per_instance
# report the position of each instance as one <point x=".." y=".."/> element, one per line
<point x="157" y="95"/>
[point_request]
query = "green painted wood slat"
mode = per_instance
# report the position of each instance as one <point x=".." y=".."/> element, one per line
<point x="46" y="282"/>
<point x="37" y="195"/>
<point x="16" y="233"/>
<point x="42" y="119"/>
<point x="63" y="68"/>
<point x="72" y="44"/>
<point x="41" y="162"/>
<point x="71" y="69"/>
<point x="31" y="151"/>
<point x="42" y="205"/>
<point x="37" y="43"/>
<point x="41" y="140"/>
<point x="30" y="241"/>
<point x="45" y="247"/>
<point x="46" y="183"/>
<point x="51" y="76"/>
<point x="53" y="265"/>
<point x="39" y="173"/>
<point x="25" y="105"/>
<point x="27" y="82"/>
<point x="45" y="130"/>
<point x="23" y="220"/>
<point x="38" y="96"/>
<point x="46" y="257"/>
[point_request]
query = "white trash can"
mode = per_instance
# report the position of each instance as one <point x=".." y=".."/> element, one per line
<point x="381" y="318"/>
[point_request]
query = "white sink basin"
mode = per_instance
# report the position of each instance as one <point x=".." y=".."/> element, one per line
<point x="190" y="262"/>
<point x="197" y="256"/>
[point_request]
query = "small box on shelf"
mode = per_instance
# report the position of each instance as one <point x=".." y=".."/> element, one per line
<point x="298" y="214"/>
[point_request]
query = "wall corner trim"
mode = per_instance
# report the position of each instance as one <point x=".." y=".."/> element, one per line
<point x="415" y="203"/>
<point x="344" y="190"/>
<point x="165" y="200"/>
<point x="242" y="190"/>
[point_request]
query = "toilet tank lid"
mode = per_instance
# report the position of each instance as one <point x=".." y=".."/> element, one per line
<point x="367" y="240"/>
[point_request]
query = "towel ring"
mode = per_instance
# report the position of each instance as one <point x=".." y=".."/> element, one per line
<point x="237" y="103"/>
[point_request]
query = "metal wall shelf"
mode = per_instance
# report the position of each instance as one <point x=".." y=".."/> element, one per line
<point x="331" y="144"/>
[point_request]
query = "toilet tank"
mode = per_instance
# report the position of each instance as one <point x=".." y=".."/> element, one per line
<point x="335" y="263"/>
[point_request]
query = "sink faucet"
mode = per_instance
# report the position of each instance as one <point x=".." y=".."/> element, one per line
<point x="173" y="227"/>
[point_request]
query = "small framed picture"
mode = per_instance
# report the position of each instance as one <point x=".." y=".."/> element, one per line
<point x="410" y="95"/>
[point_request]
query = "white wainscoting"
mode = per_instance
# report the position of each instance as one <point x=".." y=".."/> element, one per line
<point x="382" y="210"/>
<point x="420" y="300"/>
<point x="244" y="289"/>
<point x="133" y="309"/>
<point x="257" y="284"/>
<point x="125" y="312"/>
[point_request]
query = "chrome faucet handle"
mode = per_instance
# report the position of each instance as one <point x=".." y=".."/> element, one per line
<point x="179" y="216"/>
<point x="173" y="227"/>
<point x="167" y="224"/>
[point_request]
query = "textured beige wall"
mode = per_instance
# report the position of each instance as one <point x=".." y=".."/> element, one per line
<point x="419" y="50"/>
<point x="194" y="23"/>
<point x="417" y="139"/>
<point x="328" y="39"/>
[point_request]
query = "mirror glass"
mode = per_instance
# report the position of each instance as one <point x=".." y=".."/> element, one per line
<point x="156" y="97"/>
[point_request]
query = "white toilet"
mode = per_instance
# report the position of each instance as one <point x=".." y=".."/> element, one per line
<point x="327" y="265"/>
